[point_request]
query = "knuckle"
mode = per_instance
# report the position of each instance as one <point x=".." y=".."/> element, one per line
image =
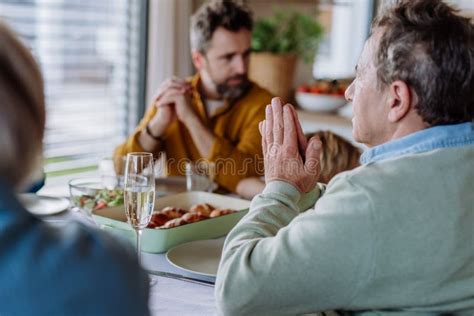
<point x="278" y="125"/>
<point x="274" y="149"/>
<point x="292" y="149"/>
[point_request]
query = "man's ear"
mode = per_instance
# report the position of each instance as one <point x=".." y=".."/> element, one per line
<point x="198" y="59"/>
<point x="400" y="99"/>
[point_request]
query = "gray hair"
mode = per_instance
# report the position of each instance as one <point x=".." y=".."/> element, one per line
<point x="22" y="113"/>
<point x="231" y="15"/>
<point x="427" y="45"/>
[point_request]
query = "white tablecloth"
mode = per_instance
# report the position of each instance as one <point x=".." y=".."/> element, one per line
<point x="174" y="297"/>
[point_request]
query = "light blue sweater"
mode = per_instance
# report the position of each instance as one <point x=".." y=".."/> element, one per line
<point x="392" y="237"/>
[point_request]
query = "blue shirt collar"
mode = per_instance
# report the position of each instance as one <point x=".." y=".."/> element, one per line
<point x="432" y="138"/>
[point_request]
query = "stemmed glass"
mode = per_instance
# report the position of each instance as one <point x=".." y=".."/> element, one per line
<point x="139" y="192"/>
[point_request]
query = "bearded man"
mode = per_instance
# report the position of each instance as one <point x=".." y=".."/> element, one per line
<point x="213" y="115"/>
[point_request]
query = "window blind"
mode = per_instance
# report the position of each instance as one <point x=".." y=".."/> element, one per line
<point x="91" y="56"/>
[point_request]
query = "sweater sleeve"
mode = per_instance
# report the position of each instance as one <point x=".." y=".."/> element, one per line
<point x="131" y="144"/>
<point x="280" y="261"/>
<point x="242" y="160"/>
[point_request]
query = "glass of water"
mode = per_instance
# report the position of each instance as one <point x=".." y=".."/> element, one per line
<point x="139" y="192"/>
<point x="200" y="176"/>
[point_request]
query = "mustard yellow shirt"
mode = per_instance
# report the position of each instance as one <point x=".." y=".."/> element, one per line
<point x="237" y="150"/>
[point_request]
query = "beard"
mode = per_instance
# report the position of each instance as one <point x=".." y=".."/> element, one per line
<point x="234" y="91"/>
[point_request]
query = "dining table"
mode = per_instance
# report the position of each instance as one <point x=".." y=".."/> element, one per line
<point x="173" y="291"/>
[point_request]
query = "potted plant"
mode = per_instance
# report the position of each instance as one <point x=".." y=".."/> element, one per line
<point x="277" y="42"/>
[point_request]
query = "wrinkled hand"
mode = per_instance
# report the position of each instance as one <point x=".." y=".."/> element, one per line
<point x="287" y="155"/>
<point x="170" y="93"/>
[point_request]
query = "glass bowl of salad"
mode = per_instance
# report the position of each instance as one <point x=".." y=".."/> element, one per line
<point x="90" y="194"/>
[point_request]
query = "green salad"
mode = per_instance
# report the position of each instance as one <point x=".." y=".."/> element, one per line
<point x="104" y="198"/>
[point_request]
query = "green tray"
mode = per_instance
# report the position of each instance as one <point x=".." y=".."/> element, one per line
<point x="160" y="240"/>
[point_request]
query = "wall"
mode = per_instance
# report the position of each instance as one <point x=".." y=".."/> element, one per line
<point x="263" y="8"/>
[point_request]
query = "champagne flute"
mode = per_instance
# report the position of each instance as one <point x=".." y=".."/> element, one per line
<point x="139" y="192"/>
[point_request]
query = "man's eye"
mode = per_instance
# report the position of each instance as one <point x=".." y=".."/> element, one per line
<point x="227" y="57"/>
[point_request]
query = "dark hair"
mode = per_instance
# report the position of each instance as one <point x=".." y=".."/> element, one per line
<point x="427" y="45"/>
<point x="228" y="14"/>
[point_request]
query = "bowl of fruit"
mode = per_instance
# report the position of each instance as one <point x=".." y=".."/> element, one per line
<point x="322" y="96"/>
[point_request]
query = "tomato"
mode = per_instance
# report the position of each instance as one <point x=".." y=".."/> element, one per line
<point x="83" y="200"/>
<point x="341" y="90"/>
<point x="316" y="90"/>
<point x="100" y="204"/>
<point x="303" y="88"/>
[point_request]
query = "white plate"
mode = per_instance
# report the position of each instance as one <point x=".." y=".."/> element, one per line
<point x="43" y="205"/>
<point x="200" y="257"/>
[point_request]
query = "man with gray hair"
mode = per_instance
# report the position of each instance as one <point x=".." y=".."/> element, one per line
<point x="215" y="114"/>
<point x="394" y="236"/>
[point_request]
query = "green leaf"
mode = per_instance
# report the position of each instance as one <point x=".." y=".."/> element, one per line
<point x="288" y="32"/>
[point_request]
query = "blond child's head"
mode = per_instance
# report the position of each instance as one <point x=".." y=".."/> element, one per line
<point x="337" y="155"/>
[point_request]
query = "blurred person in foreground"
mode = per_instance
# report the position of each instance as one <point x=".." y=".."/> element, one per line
<point x="338" y="155"/>
<point x="213" y="115"/>
<point x="394" y="236"/>
<point x="46" y="270"/>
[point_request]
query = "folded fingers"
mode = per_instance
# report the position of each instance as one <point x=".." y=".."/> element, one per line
<point x="268" y="125"/>
<point x="261" y="127"/>
<point x="278" y="124"/>
<point x="290" y="134"/>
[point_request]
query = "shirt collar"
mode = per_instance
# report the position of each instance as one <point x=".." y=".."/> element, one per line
<point x="196" y="96"/>
<point x="428" y="139"/>
<point x="199" y="103"/>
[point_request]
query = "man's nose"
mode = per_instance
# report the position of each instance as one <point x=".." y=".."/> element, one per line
<point x="349" y="93"/>
<point x="240" y="65"/>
